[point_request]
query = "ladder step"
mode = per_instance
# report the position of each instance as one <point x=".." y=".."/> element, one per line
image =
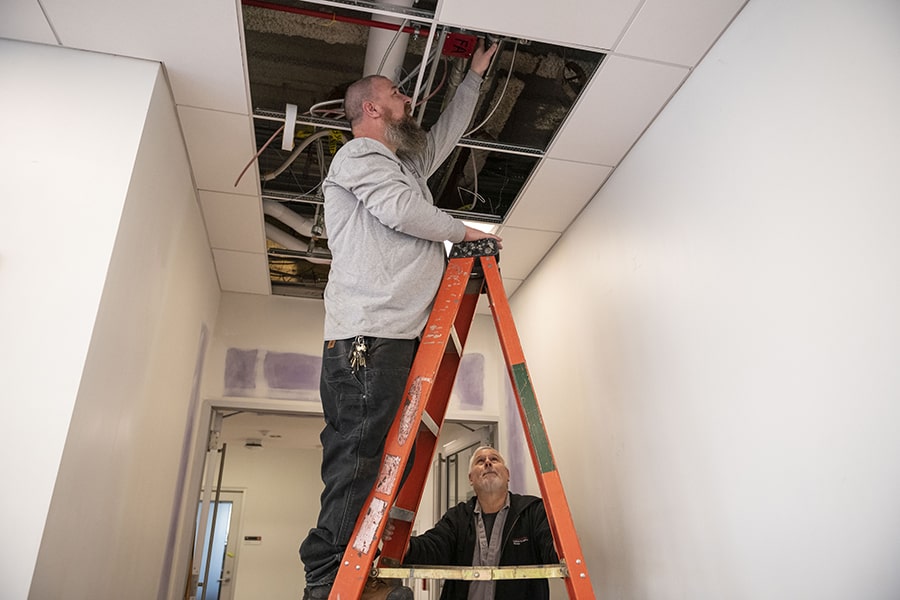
<point x="402" y="514"/>
<point x="457" y="343"/>
<point x="430" y="423"/>
<point x="473" y="573"/>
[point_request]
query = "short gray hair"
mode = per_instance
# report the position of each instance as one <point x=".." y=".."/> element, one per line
<point x="359" y="91"/>
<point x="479" y="449"/>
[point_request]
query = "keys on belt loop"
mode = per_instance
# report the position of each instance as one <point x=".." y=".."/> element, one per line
<point x="358" y="353"/>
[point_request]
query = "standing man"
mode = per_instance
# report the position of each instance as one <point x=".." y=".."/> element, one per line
<point x="495" y="528"/>
<point x="386" y="240"/>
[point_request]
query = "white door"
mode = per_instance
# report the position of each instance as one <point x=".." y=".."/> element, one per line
<point x="220" y="548"/>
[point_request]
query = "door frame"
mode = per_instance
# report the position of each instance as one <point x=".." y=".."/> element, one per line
<point x="209" y="422"/>
<point x="207" y="445"/>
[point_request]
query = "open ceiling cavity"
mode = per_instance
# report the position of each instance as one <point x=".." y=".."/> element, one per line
<point x="307" y="53"/>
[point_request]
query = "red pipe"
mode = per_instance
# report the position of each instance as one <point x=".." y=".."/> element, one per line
<point x="334" y="17"/>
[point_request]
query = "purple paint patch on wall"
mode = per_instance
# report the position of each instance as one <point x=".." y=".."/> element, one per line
<point x="240" y="369"/>
<point x="292" y="371"/>
<point x="469" y="384"/>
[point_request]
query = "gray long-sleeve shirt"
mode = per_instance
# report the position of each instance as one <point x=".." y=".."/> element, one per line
<point x="384" y="232"/>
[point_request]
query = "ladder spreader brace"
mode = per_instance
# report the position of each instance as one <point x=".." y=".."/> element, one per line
<point x="472" y="268"/>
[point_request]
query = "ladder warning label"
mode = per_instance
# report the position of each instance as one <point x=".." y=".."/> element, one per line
<point x="388" y="476"/>
<point x="409" y="411"/>
<point x="366" y="535"/>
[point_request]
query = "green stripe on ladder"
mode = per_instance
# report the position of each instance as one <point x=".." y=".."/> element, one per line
<point x="536" y="430"/>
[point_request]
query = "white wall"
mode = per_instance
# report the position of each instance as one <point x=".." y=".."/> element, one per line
<point x="724" y="382"/>
<point x="58" y="221"/>
<point x="108" y="287"/>
<point x="265" y="323"/>
<point x="294" y="325"/>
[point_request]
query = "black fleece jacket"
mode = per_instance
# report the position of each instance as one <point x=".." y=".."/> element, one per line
<point x="526" y="541"/>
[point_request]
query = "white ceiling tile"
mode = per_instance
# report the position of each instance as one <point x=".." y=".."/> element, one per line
<point x="220" y="145"/>
<point x="589" y="23"/>
<point x="199" y="42"/>
<point x="622" y="99"/>
<point x="556" y="193"/>
<point x="24" y="20"/>
<point x="677" y="32"/>
<point x="233" y="221"/>
<point x="523" y="249"/>
<point x="242" y="272"/>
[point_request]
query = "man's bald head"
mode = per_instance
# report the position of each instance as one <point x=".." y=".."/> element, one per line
<point x="359" y="92"/>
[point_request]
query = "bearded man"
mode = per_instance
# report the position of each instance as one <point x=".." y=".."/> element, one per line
<point x="386" y="240"/>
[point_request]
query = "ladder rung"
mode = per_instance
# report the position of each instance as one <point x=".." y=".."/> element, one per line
<point x="402" y="514"/>
<point x="473" y="573"/>
<point x="457" y="343"/>
<point x="430" y="423"/>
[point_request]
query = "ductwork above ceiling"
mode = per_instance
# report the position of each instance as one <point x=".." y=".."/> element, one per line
<point x="307" y="53"/>
<point x="386" y="49"/>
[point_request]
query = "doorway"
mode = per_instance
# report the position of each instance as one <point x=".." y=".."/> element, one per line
<point x="274" y="459"/>
<point x="452" y="473"/>
<point x="220" y="547"/>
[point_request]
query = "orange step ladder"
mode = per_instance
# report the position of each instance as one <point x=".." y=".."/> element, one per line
<point x="472" y="268"/>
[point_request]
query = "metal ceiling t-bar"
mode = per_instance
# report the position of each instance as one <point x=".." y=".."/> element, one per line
<point x="376" y="8"/>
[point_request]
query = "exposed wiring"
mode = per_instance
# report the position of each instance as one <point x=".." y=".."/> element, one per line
<point x="292" y="172"/>
<point x="474" y="175"/>
<point x="475" y="198"/>
<point x="415" y="71"/>
<point x="474" y="192"/>
<point x="255" y="156"/>
<point x="391" y="46"/>
<point x="512" y="63"/>
<point x="319" y="108"/>
<point x="439" y="85"/>
<point x="290" y="159"/>
<point x="475" y="195"/>
<point x="333" y="113"/>
<point x="320" y="155"/>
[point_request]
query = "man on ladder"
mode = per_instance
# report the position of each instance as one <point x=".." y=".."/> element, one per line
<point x="386" y="240"/>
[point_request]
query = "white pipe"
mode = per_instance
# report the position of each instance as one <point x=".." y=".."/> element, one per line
<point x="379" y="42"/>
<point x="291" y="243"/>
<point x="299" y="223"/>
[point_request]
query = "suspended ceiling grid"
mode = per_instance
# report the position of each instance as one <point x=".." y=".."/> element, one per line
<point x="306" y="54"/>
<point x="650" y="47"/>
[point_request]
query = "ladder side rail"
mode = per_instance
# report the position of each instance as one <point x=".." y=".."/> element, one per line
<point x="559" y="516"/>
<point x="409" y="496"/>
<point x="356" y="563"/>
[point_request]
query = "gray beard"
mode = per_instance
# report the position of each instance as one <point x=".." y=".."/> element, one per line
<point x="491" y="485"/>
<point x="409" y="137"/>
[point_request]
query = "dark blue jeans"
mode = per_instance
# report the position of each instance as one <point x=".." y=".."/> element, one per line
<point x="359" y="407"/>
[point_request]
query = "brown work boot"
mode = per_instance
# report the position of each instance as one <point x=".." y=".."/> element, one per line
<point x="385" y="589"/>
